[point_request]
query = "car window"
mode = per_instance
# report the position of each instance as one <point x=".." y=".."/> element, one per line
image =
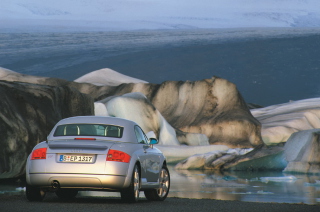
<point x="89" y="130"/>
<point x="141" y="137"/>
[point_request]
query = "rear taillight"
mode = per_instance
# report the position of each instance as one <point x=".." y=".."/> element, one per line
<point x="116" y="155"/>
<point x="39" y="154"/>
<point x="84" y="139"/>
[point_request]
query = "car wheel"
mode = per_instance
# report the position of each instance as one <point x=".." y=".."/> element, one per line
<point x="34" y="193"/>
<point x="131" y="194"/>
<point x="162" y="192"/>
<point x="66" y="194"/>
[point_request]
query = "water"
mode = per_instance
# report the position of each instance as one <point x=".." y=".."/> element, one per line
<point x="246" y="186"/>
<point x="269" y="66"/>
<point x="241" y="186"/>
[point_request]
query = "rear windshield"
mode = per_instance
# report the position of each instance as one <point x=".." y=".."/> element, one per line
<point x="89" y="130"/>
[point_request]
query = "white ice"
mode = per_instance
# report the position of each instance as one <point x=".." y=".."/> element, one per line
<point x="217" y="157"/>
<point x="288" y="179"/>
<point x="280" y="121"/>
<point x="132" y="106"/>
<point x="156" y="14"/>
<point x="108" y="77"/>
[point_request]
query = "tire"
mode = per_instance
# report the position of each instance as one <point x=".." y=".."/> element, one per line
<point x="66" y="194"/>
<point x="162" y="192"/>
<point x="131" y="194"/>
<point x="34" y="193"/>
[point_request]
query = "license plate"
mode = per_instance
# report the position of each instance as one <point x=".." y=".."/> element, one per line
<point x="76" y="158"/>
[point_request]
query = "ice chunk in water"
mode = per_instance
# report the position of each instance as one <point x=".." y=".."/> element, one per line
<point x="278" y="179"/>
<point x="264" y="192"/>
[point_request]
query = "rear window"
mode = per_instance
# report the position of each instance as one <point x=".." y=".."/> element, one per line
<point x="89" y="130"/>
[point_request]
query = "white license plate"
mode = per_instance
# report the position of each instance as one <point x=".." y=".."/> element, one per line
<point x="76" y="158"/>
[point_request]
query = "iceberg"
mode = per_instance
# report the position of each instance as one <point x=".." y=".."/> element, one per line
<point x="108" y="77"/>
<point x="280" y="121"/>
<point x="211" y="160"/>
<point x="302" y="152"/>
<point x="136" y="107"/>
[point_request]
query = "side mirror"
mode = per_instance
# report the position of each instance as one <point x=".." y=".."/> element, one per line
<point x="153" y="141"/>
<point x="151" y="134"/>
<point x="152" y="138"/>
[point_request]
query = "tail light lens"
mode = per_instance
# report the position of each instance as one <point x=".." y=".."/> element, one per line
<point x="115" y="155"/>
<point x="84" y="139"/>
<point x="39" y="154"/>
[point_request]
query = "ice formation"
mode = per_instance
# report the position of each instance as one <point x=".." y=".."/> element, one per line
<point x="211" y="160"/>
<point x="213" y="107"/>
<point x="288" y="179"/>
<point x="188" y="107"/>
<point x="303" y="153"/>
<point x="280" y="121"/>
<point x="136" y="107"/>
<point x="107" y="76"/>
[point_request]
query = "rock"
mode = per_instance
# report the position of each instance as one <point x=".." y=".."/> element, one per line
<point x="302" y="152"/>
<point x="28" y="113"/>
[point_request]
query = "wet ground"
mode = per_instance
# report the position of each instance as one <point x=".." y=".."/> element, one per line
<point x="242" y="186"/>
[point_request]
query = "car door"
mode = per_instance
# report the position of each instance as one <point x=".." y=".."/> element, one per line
<point x="150" y="160"/>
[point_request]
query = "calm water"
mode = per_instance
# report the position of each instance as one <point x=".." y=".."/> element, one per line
<point x="246" y="186"/>
<point x="269" y="66"/>
<point x="242" y="186"/>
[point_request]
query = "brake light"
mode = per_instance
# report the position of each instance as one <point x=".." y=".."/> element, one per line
<point x="84" y="139"/>
<point x="39" y="154"/>
<point x="115" y="155"/>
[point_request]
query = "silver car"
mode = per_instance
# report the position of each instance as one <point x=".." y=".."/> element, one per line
<point x="93" y="153"/>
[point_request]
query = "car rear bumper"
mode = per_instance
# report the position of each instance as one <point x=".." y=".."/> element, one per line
<point x="81" y="181"/>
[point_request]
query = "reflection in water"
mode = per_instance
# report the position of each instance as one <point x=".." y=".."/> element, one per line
<point x="242" y="186"/>
<point x="245" y="186"/>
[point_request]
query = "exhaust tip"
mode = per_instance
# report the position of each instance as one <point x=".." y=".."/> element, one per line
<point x="55" y="184"/>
